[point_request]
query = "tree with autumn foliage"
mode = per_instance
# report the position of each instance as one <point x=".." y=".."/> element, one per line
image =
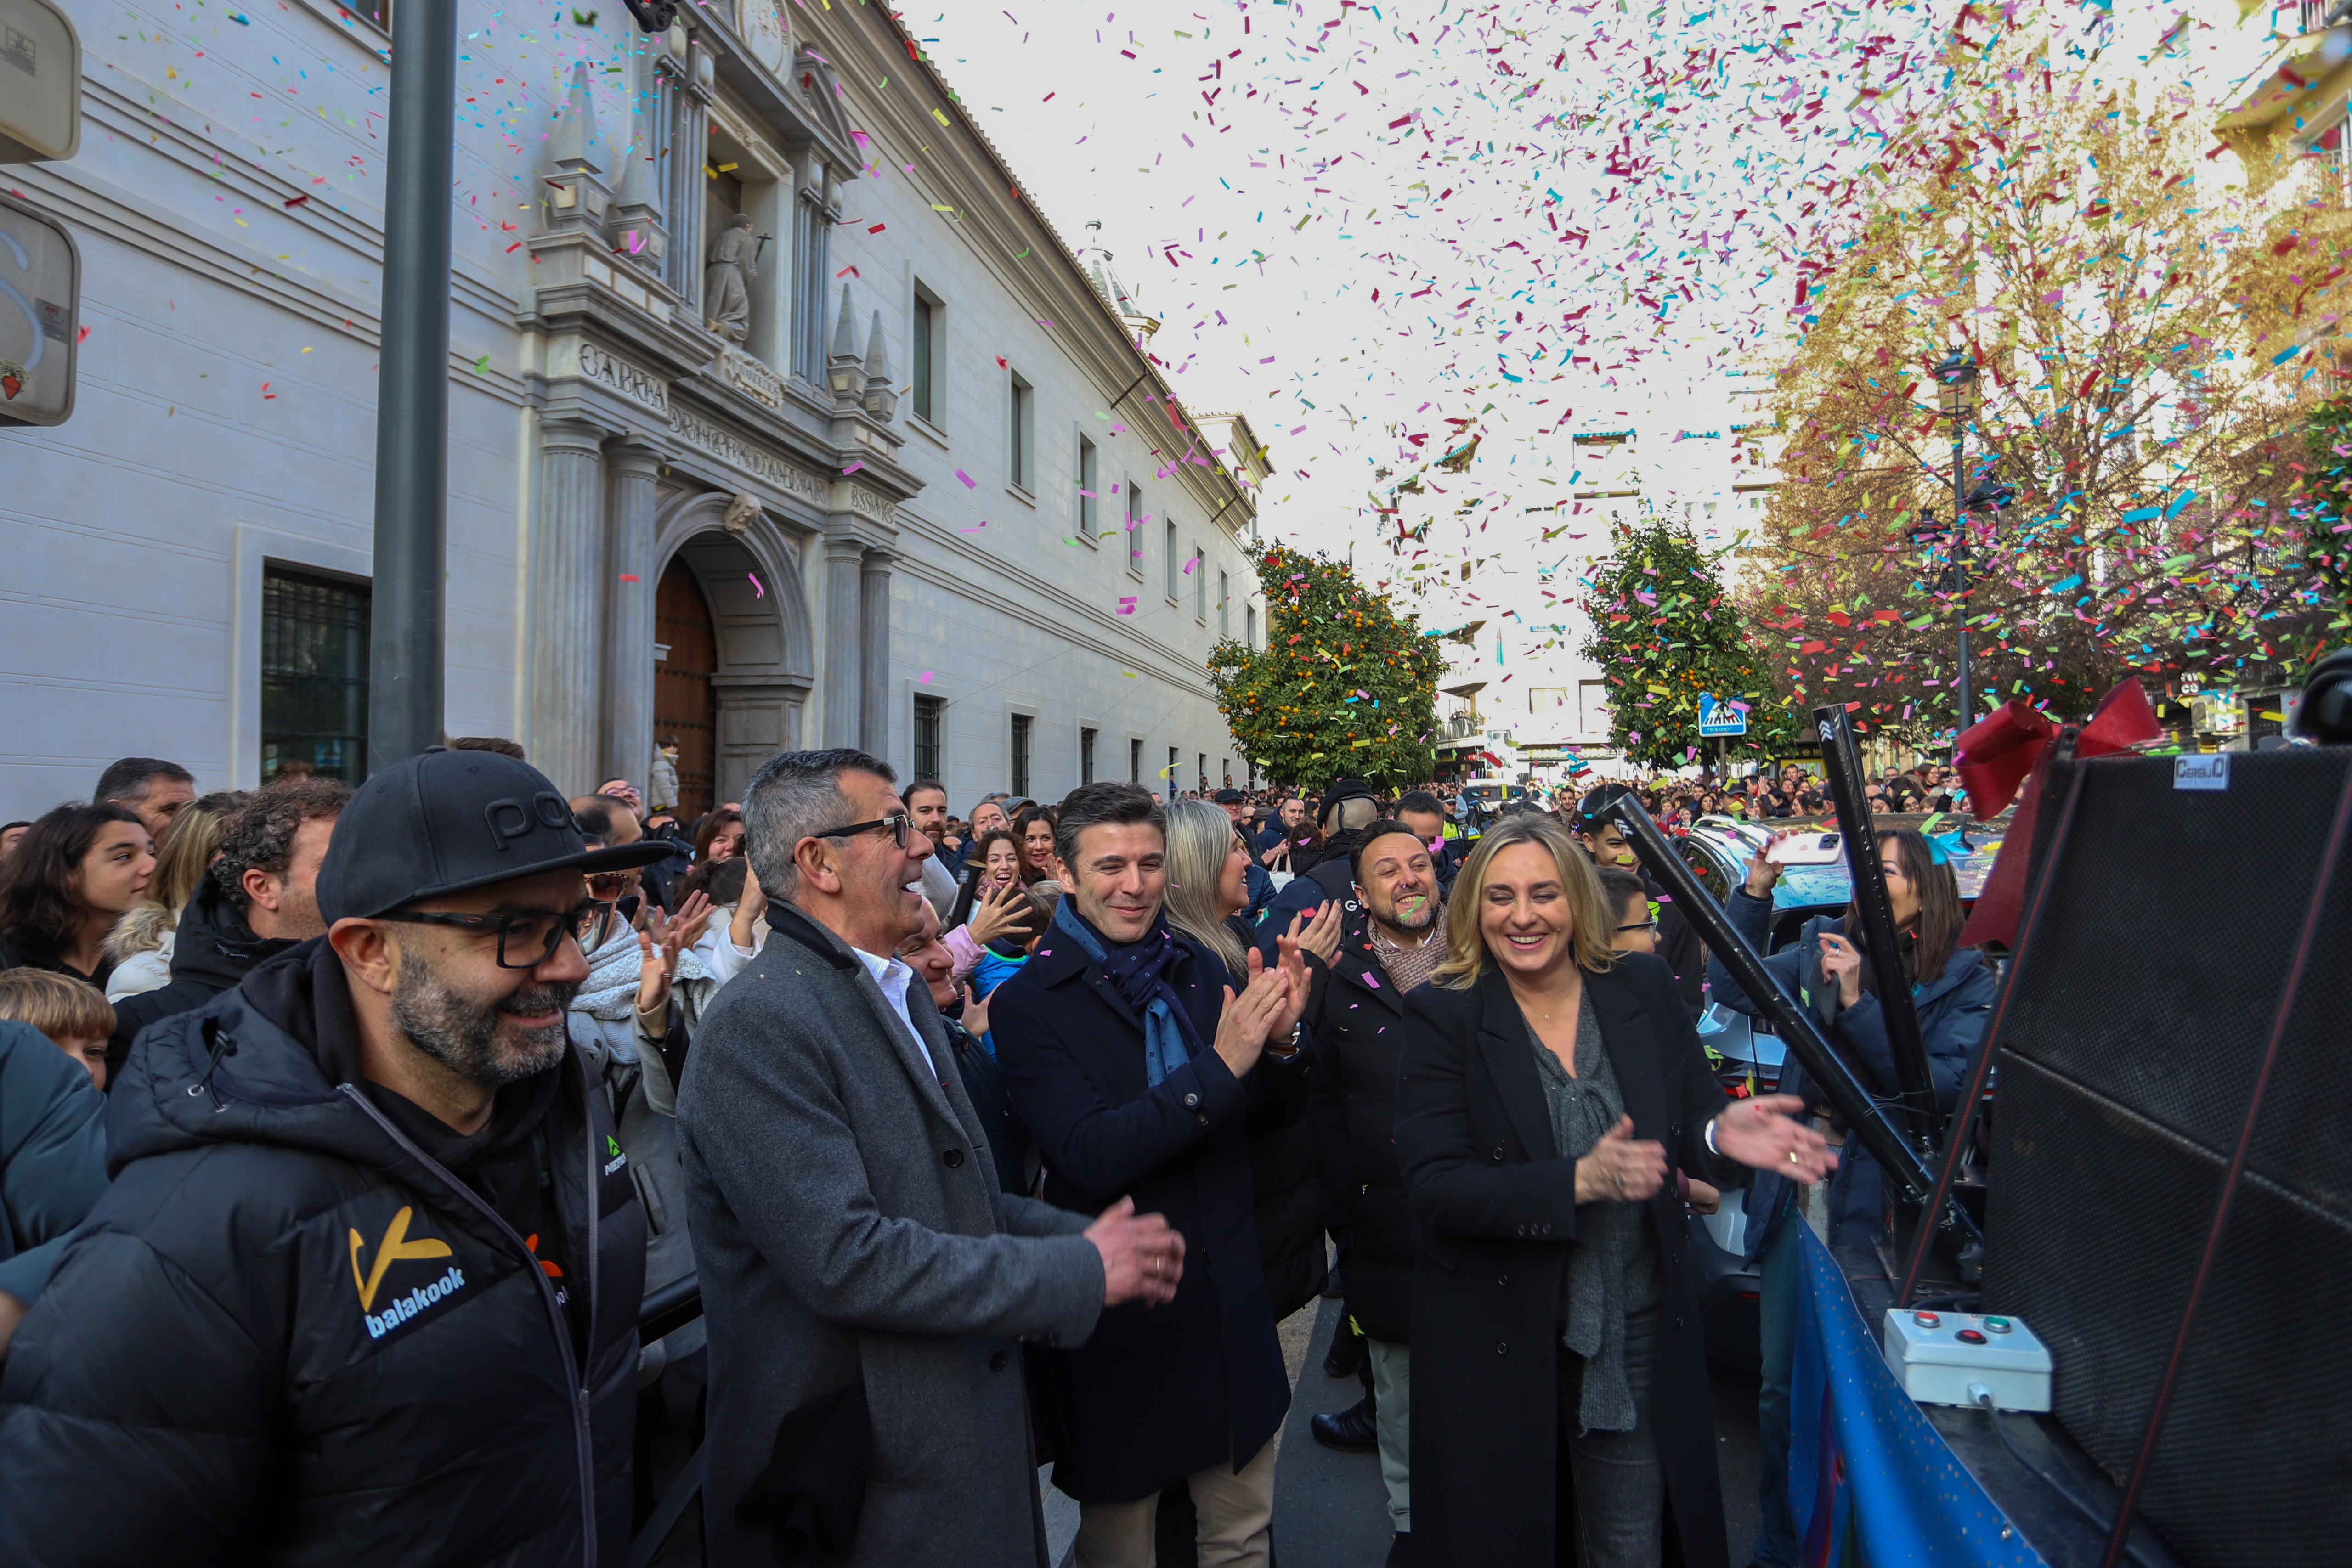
<point x="1665" y="633"/>
<point x="1344" y="684"/>
<point x="2150" y="339"/>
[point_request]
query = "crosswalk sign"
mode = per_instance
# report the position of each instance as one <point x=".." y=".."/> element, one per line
<point x="1717" y="717"/>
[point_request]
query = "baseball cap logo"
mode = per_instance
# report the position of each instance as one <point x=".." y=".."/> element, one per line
<point x="395" y="1248"/>
<point x="511" y="819"/>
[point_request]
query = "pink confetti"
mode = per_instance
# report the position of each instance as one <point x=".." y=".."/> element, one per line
<point x="854" y="467"/>
<point x="756" y="592"/>
<point x="969" y="482"/>
<point x="924" y="678"/>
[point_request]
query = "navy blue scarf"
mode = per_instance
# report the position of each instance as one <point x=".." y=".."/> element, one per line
<point x="1138" y="972"/>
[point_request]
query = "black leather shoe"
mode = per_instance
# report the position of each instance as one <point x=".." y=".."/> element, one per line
<point x="1347" y="1352"/>
<point x="1355" y="1430"/>
<point x="1401" y="1549"/>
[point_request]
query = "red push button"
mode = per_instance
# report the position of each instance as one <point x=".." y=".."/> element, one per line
<point x="1969" y="1336"/>
<point x="1928" y="1319"/>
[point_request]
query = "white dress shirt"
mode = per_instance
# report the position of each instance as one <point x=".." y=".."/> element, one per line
<point x="893" y="977"/>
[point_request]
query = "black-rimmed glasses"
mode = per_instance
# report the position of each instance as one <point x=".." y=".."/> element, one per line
<point x="1640" y="925"/>
<point x="526" y="940"/>
<point x="898" y="822"/>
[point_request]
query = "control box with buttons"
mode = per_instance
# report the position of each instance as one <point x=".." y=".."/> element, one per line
<point x="1937" y="1356"/>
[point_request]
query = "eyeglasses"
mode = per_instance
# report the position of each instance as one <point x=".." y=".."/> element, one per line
<point x="897" y="822"/>
<point x="1640" y="925"/>
<point x="526" y="940"/>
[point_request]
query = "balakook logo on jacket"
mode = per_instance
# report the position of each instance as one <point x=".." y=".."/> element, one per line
<point x="396" y="1248"/>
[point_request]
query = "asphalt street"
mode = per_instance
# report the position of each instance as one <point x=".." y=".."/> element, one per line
<point x="1331" y="1510"/>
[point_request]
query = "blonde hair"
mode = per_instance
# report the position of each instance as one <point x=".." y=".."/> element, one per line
<point x="189" y="843"/>
<point x="1593" y="923"/>
<point x="59" y="1006"/>
<point x="1200" y="836"/>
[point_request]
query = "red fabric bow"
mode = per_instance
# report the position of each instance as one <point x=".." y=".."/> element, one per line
<point x="2013" y="745"/>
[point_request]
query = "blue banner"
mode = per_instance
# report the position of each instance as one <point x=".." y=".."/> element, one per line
<point x="1872" y="1484"/>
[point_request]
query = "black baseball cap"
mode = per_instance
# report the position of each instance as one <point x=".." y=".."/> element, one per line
<point x="444" y="821"/>
<point x="1345" y="789"/>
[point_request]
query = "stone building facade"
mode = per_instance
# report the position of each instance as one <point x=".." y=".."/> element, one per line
<point x="779" y="418"/>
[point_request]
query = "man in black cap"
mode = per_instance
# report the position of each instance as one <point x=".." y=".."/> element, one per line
<point x="365" y="1290"/>
<point x="1347" y="808"/>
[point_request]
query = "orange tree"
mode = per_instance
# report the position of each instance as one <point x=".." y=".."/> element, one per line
<point x="1665" y="633"/>
<point x="1344" y="684"/>
<point x="2151" y="343"/>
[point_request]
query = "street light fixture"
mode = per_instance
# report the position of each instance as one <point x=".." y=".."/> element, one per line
<point x="1956" y="383"/>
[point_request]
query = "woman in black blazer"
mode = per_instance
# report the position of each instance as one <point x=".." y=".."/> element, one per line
<point x="1560" y="1411"/>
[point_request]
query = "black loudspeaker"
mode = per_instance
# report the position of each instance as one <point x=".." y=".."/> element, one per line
<point x="2126" y="1065"/>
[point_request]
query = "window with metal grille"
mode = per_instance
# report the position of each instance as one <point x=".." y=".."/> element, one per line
<point x="929" y="760"/>
<point x="1022" y="724"/>
<point x="1020" y="432"/>
<point x="1201" y="586"/>
<point x="1170" y="565"/>
<point x="314" y="676"/>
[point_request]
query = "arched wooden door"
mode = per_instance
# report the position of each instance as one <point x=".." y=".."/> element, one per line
<point x="684" y="704"/>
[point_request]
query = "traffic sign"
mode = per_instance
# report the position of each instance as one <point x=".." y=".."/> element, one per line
<point x="40" y="83"/>
<point x="40" y="297"/>
<point x="1717" y="716"/>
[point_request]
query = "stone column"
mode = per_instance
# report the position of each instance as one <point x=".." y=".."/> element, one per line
<point x="874" y="655"/>
<point x="565" y="603"/>
<point x="628" y="712"/>
<point x="845" y="643"/>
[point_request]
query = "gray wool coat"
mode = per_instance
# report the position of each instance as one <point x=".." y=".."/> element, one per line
<point x="847" y="1226"/>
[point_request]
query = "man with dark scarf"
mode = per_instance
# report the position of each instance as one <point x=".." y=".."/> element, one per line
<point x="1137" y="1063"/>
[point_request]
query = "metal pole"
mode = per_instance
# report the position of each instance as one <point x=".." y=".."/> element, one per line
<point x="1914" y="1074"/>
<point x="1793" y="1023"/>
<point x="1960" y="564"/>
<point x="411" y="429"/>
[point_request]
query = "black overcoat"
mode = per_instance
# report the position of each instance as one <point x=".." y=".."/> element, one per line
<point x="1156" y="1393"/>
<point x="1358" y="1015"/>
<point x="1494" y="1211"/>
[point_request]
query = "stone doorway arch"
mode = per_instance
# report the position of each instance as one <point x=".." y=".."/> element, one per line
<point x="765" y="664"/>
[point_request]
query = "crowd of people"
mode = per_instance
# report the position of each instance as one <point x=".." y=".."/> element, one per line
<point x="344" y="1134"/>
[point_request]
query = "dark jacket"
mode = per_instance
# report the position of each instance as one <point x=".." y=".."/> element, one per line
<point x="1357" y="1015"/>
<point x="18" y="954"/>
<point x="1494" y="1211"/>
<point x="213" y="950"/>
<point x="52" y="1154"/>
<point x="1161" y="1392"/>
<point x="1954" y="1009"/>
<point x="1289" y="1204"/>
<point x="983" y="1083"/>
<point x="286" y="1335"/>
<point x="1329" y="877"/>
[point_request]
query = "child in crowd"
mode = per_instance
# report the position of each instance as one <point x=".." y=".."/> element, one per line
<point x="77" y="1017"/>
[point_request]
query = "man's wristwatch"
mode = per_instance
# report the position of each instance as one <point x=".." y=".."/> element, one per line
<point x="1285" y="1053"/>
<point x="1710" y="1138"/>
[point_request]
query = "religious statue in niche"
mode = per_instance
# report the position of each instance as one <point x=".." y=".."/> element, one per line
<point x="734" y="261"/>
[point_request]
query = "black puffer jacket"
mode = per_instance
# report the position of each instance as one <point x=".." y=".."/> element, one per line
<point x="285" y="1335"/>
<point x="213" y="950"/>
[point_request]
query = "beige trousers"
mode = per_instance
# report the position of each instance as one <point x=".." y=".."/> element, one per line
<point x="1235" y="1514"/>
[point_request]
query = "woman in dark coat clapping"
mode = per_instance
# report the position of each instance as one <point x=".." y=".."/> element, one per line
<point x="1560" y="1404"/>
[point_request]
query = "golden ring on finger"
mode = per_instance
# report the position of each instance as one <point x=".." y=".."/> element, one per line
<point x="1793" y="1159"/>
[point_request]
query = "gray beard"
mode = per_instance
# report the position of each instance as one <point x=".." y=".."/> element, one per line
<point x="463" y="1036"/>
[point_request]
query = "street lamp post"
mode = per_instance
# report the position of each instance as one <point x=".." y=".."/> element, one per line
<point x="407" y="615"/>
<point x="1956" y="378"/>
<point x="412" y="421"/>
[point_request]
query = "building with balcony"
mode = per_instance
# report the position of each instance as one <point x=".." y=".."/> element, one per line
<point x="779" y="417"/>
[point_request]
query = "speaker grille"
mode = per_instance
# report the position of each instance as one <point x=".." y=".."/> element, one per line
<point x="2125" y="1068"/>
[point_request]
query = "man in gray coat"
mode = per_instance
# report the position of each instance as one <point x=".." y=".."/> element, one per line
<point x="863" y="1276"/>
